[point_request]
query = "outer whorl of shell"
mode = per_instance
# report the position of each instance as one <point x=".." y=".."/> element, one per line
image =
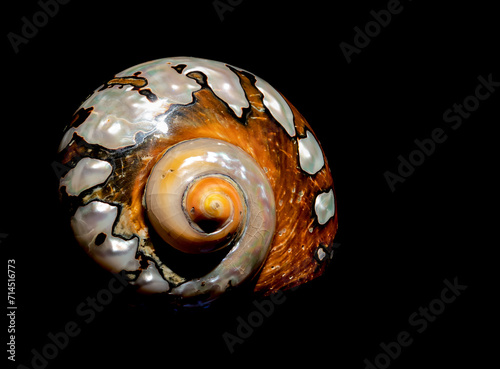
<point x="194" y="176"/>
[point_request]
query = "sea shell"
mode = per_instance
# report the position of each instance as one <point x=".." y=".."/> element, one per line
<point x="192" y="176"/>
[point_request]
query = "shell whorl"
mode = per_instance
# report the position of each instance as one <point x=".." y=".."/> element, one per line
<point x="231" y="174"/>
<point x="186" y="159"/>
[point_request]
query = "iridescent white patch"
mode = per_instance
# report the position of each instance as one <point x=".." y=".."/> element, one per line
<point x="321" y="254"/>
<point x="113" y="253"/>
<point x="310" y="154"/>
<point x="324" y="206"/>
<point x="87" y="173"/>
<point x="118" y="115"/>
<point x="151" y="281"/>
<point x="164" y="81"/>
<point x="277" y="105"/>
<point x="223" y="82"/>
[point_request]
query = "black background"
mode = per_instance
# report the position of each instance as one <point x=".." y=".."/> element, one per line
<point x="396" y="248"/>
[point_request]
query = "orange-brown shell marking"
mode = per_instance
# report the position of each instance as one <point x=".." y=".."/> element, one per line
<point x="212" y="204"/>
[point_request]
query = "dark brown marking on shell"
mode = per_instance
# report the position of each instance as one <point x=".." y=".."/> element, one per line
<point x="80" y="116"/>
<point x="99" y="240"/>
<point x="149" y="94"/>
<point x="179" y="68"/>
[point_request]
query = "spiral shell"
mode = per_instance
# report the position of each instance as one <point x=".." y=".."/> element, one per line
<point x="193" y="176"/>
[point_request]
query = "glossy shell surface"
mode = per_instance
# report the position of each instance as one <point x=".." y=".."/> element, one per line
<point x="163" y="136"/>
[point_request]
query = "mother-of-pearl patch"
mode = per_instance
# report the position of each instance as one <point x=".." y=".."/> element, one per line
<point x="87" y="173"/>
<point x="310" y="155"/>
<point x="118" y="114"/>
<point x="150" y="280"/>
<point x="324" y="206"/>
<point x="277" y="105"/>
<point x="164" y="81"/>
<point x="113" y="253"/>
<point x="222" y="80"/>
